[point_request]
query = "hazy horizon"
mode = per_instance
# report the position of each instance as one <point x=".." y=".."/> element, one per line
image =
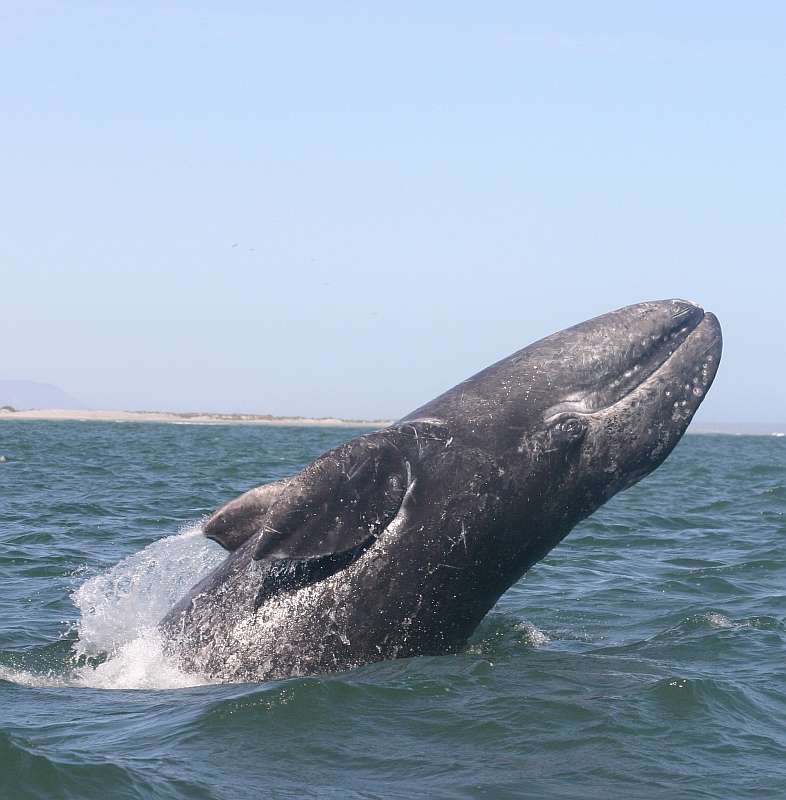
<point x="343" y="211"/>
<point x="699" y="424"/>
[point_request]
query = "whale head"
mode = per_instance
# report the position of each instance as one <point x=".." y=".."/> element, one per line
<point x="586" y="412"/>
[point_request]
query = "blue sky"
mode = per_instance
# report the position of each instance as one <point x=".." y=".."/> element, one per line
<point x="415" y="190"/>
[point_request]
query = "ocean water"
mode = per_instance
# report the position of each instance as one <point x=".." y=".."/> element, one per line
<point x="644" y="658"/>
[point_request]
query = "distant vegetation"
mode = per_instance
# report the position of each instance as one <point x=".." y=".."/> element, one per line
<point x="7" y="408"/>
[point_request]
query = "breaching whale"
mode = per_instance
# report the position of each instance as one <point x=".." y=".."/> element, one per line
<point x="398" y="542"/>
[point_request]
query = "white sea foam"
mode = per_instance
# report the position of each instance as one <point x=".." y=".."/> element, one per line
<point x="119" y="611"/>
<point x="138" y="664"/>
<point x="718" y="620"/>
<point x="36" y="680"/>
<point x="533" y="635"/>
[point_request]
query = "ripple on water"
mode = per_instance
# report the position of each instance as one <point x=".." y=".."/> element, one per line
<point x="643" y="658"/>
<point x="682" y="696"/>
<point x="28" y="771"/>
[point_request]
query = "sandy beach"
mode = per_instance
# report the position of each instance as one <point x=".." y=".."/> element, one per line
<point x="207" y="418"/>
<point x="184" y="418"/>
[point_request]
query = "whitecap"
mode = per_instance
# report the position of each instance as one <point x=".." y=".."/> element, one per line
<point x="718" y="620"/>
<point x="533" y="635"/>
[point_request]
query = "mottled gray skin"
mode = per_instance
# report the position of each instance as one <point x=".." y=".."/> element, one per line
<point x="399" y="542"/>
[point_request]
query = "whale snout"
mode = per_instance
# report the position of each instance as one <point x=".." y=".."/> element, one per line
<point x="674" y="355"/>
<point x="640" y="428"/>
<point x="602" y="361"/>
<point x="685" y="311"/>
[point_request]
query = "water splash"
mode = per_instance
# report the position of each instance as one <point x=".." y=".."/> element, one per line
<point x="129" y="599"/>
<point x="716" y="620"/>
<point x="120" y="609"/>
<point x="138" y="664"/>
<point x="533" y="636"/>
<point x="118" y="644"/>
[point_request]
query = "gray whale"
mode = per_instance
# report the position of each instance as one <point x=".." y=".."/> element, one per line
<point x="398" y="542"/>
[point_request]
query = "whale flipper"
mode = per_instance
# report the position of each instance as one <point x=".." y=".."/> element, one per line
<point x="338" y="504"/>
<point x="239" y="519"/>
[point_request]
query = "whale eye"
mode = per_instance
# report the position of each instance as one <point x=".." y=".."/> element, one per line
<point x="571" y="428"/>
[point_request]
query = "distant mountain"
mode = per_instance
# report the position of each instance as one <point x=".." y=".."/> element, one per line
<point x="32" y="394"/>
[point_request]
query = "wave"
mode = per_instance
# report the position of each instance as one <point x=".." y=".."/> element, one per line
<point x="78" y="776"/>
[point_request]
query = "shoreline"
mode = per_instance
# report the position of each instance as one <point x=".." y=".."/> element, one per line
<point x="208" y="418"/>
<point x="186" y="418"/>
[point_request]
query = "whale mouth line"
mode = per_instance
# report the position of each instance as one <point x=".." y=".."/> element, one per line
<point x="650" y="365"/>
<point x="695" y="331"/>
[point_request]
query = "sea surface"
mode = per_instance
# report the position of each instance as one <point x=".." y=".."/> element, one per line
<point x="644" y="658"/>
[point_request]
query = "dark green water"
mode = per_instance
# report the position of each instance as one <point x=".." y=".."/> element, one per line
<point x="645" y="658"/>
